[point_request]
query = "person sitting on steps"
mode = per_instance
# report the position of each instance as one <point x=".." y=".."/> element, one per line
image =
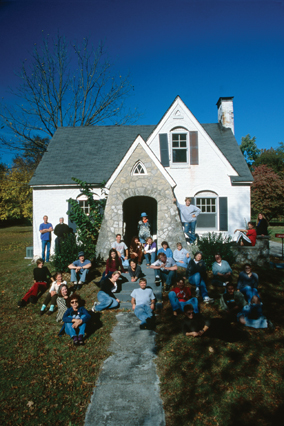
<point x="164" y="269"/>
<point x="143" y="304"/>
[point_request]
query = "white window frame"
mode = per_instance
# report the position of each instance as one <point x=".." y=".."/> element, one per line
<point x="136" y="166"/>
<point x="207" y="196"/>
<point x="179" y="131"/>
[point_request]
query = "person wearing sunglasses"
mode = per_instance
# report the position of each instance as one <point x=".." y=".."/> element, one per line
<point x="75" y="319"/>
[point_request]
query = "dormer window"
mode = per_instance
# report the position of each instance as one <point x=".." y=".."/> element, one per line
<point x="139" y="169"/>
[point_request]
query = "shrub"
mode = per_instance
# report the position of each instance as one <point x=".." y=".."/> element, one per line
<point x="216" y="243"/>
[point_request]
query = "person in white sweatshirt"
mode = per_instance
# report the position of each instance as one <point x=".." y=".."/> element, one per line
<point x="188" y="215"/>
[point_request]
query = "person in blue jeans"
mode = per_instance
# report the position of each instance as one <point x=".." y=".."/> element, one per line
<point x="248" y="283"/>
<point x="75" y="320"/>
<point x="188" y="215"/>
<point x="164" y="269"/>
<point x="165" y="249"/>
<point x="143" y="304"/>
<point x="106" y="295"/>
<point x="180" y="296"/>
<point x="150" y="251"/>
<point x="196" y="275"/>
<point x="45" y="230"/>
<point x="79" y="269"/>
<point x="181" y="256"/>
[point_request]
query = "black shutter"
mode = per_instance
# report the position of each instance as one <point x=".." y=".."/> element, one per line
<point x="193" y="148"/>
<point x="164" y="149"/>
<point x="223" y="214"/>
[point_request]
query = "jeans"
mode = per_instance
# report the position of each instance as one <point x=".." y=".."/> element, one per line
<point x="75" y="331"/>
<point x="150" y="257"/>
<point x="125" y="262"/>
<point x="106" y="302"/>
<point x="189" y="229"/>
<point x="180" y="305"/>
<point x="249" y="292"/>
<point x="166" y="276"/>
<point x="196" y="280"/>
<point x="79" y="276"/>
<point x="143" y="312"/>
<point x="45" y="243"/>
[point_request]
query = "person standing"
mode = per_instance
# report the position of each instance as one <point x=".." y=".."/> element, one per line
<point x="45" y="230"/>
<point x="188" y="215"/>
<point x="61" y="230"/>
<point x="144" y="228"/>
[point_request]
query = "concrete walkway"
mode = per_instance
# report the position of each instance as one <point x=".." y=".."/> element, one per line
<point x="127" y="391"/>
<point x="275" y="248"/>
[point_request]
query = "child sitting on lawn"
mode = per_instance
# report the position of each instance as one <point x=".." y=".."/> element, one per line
<point x="52" y="294"/>
<point x="143" y="304"/>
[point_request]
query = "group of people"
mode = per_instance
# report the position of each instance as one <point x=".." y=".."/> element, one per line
<point x="248" y="237"/>
<point x="242" y="304"/>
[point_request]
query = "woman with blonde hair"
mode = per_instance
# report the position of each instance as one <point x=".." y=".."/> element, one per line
<point x="262" y="224"/>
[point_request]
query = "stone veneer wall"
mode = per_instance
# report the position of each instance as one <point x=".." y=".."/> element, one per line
<point x="258" y="255"/>
<point x="154" y="185"/>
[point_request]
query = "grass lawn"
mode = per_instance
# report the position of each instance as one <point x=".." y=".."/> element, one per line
<point x="44" y="379"/>
<point x="275" y="230"/>
<point x="206" y="381"/>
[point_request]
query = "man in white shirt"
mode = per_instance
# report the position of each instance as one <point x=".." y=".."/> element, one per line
<point x="122" y="250"/>
<point x="143" y="304"/>
<point x="188" y="215"/>
<point x="164" y="269"/>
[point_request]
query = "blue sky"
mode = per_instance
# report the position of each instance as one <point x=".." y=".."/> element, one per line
<point x="199" y="50"/>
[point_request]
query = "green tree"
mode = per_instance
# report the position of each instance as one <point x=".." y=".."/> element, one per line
<point x="272" y="158"/>
<point x="15" y="193"/>
<point x="249" y="149"/>
<point x="64" y="84"/>
<point x="267" y="192"/>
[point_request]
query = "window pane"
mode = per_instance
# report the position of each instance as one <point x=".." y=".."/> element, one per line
<point x="175" y="137"/>
<point x="183" y="144"/>
<point x="179" y="156"/>
<point x="175" y="144"/>
<point x="183" y="137"/>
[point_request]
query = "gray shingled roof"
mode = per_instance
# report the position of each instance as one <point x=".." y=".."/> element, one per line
<point x="226" y="142"/>
<point x="92" y="153"/>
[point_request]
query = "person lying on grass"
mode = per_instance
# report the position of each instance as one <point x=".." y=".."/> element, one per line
<point x="63" y="295"/>
<point x="180" y="296"/>
<point x="231" y="302"/>
<point x="134" y="270"/>
<point x="194" y="325"/>
<point x="52" y="294"/>
<point x="75" y="319"/>
<point x="106" y="295"/>
<point x="42" y="277"/>
<point x="143" y="304"/>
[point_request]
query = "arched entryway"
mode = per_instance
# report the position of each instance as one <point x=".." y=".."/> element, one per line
<point x="132" y="209"/>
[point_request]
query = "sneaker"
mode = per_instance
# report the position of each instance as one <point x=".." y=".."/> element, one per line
<point x="75" y="340"/>
<point x="93" y="308"/>
<point x="81" y="339"/>
<point x="208" y="300"/>
<point x="197" y="292"/>
<point x="41" y="312"/>
<point x="22" y="303"/>
<point x="80" y="282"/>
<point x="157" y="279"/>
<point x="49" y="313"/>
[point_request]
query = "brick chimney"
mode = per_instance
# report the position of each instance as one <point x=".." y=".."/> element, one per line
<point x="226" y="113"/>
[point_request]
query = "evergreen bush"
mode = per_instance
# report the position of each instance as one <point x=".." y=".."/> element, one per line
<point x="67" y="254"/>
<point x="214" y="243"/>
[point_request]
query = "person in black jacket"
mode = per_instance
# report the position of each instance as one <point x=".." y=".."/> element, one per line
<point x="61" y="231"/>
<point x="196" y="275"/>
<point x="262" y="224"/>
<point x="106" y="295"/>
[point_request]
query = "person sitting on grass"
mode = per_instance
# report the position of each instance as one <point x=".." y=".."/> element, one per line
<point x="165" y="249"/>
<point x="113" y="263"/>
<point x="52" y="294"/>
<point x="143" y="304"/>
<point x="246" y="237"/>
<point x="79" y="269"/>
<point x="181" y="256"/>
<point x="134" y="270"/>
<point x="196" y="275"/>
<point x="75" y="319"/>
<point x="164" y="269"/>
<point x="252" y="316"/>
<point x="63" y="295"/>
<point x="180" y="297"/>
<point x="42" y="277"/>
<point x="194" y="325"/>
<point x="106" y="295"/>
<point x="150" y="249"/>
<point x="222" y="272"/>
<point x="248" y="282"/>
<point x="136" y="250"/>
<point x="231" y="302"/>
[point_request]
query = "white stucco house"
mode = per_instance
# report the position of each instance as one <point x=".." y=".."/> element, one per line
<point x="144" y="167"/>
